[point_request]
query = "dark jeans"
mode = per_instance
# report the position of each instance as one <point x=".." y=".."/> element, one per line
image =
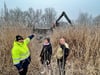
<point x="25" y="63"/>
<point x="61" y="65"/>
<point x="24" y="72"/>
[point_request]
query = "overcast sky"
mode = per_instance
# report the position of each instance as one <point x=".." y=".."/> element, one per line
<point x="72" y="7"/>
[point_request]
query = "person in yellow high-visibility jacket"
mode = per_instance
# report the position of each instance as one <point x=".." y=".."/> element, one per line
<point x="21" y="54"/>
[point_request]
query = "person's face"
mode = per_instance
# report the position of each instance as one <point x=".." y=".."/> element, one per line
<point x="62" y="41"/>
<point x="21" y="41"/>
<point x="46" y="41"/>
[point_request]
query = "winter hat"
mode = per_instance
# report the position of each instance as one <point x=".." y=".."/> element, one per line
<point x="18" y="37"/>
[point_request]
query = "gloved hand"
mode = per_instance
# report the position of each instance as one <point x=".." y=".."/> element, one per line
<point x="31" y="36"/>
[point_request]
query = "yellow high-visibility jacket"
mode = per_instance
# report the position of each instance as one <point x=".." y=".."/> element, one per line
<point x="20" y="51"/>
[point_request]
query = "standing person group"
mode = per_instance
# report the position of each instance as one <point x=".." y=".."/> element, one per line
<point x="21" y="55"/>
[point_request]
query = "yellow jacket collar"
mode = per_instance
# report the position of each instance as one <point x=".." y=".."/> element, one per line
<point x="17" y="43"/>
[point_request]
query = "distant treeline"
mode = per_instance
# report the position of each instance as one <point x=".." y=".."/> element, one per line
<point x="33" y="17"/>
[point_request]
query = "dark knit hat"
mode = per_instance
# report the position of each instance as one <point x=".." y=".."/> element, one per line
<point x="18" y="37"/>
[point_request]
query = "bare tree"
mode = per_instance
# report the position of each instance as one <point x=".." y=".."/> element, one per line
<point x="5" y="12"/>
<point x="96" y="20"/>
<point x="15" y="16"/>
<point x="84" y="19"/>
<point x="1" y="17"/>
<point x="49" y="16"/>
<point x="30" y="15"/>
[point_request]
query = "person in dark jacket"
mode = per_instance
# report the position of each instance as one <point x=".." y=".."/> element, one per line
<point x="62" y="54"/>
<point x="21" y="54"/>
<point x="46" y="53"/>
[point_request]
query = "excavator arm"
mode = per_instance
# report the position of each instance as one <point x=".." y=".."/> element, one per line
<point x="65" y="15"/>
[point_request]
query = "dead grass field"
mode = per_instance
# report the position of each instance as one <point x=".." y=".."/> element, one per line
<point x="84" y="42"/>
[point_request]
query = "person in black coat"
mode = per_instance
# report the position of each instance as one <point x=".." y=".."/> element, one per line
<point x="62" y="54"/>
<point x="46" y="52"/>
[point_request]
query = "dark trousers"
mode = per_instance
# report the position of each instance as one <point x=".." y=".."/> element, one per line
<point x="61" y="65"/>
<point x="25" y="65"/>
<point x="44" y="60"/>
<point x="24" y="72"/>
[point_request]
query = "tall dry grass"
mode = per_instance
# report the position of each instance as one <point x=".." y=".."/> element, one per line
<point x="84" y="42"/>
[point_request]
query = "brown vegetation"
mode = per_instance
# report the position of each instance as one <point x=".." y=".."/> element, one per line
<point x="84" y="42"/>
